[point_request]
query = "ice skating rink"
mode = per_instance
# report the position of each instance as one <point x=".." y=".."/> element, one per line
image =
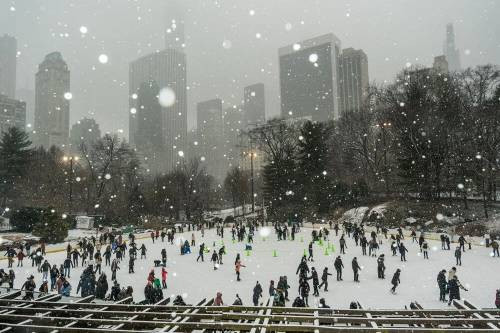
<point x="480" y="273"/>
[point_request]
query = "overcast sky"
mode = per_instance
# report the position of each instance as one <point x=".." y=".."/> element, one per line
<point x="391" y="32"/>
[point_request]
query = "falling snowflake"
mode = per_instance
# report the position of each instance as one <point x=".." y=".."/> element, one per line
<point x="313" y="57"/>
<point x="103" y="59"/>
<point x="227" y="44"/>
<point x="68" y="96"/>
<point x="166" y="97"/>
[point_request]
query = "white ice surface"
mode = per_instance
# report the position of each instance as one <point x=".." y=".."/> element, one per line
<point x="480" y="272"/>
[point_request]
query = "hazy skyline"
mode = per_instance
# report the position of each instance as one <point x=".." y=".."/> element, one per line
<point x="392" y="33"/>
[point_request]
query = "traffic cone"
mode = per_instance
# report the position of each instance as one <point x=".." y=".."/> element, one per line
<point x="326" y="251"/>
<point x="320" y="242"/>
<point x="305" y="253"/>
<point x="248" y="253"/>
<point x="275" y="254"/>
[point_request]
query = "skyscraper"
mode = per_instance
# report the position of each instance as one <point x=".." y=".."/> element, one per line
<point x="353" y="79"/>
<point x="440" y="64"/>
<point x="12" y="113"/>
<point x="254" y="104"/>
<point x="210" y="136"/>
<point x="8" y="52"/>
<point x="86" y="131"/>
<point x="167" y="69"/>
<point x="28" y="96"/>
<point x="450" y="51"/>
<point x="149" y="138"/>
<point x="309" y="79"/>
<point x="52" y="95"/>
<point x="233" y="125"/>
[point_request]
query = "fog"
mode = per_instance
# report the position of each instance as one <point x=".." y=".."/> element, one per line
<point x="391" y="32"/>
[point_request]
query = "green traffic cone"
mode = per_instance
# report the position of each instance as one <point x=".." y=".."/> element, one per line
<point x="326" y="251"/>
<point x="305" y="253"/>
<point x="320" y="242"/>
<point x="248" y="253"/>
<point x="275" y="254"/>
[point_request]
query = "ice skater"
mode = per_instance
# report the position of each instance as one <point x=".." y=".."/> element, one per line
<point x="395" y="280"/>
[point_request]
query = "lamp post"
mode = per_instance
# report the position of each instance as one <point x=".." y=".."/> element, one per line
<point x="71" y="171"/>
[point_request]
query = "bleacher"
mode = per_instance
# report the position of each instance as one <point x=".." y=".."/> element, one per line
<point x="53" y="313"/>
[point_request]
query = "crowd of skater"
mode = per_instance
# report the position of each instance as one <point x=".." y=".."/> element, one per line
<point x="114" y="251"/>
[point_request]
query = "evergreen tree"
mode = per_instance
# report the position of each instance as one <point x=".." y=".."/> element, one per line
<point x="52" y="228"/>
<point x="14" y="157"/>
<point x="25" y="219"/>
<point x="314" y="179"/>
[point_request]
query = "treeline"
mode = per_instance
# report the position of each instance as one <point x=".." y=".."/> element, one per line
<point x="103" y="179"/>
<point x="427" y="135"/>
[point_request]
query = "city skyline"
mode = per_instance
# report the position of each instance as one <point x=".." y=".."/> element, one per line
<point x="390" y="54"/>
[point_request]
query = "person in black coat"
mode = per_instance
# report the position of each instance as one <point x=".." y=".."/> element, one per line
<point x="304" y="290"/>
<point x="257" y="293"/>
<point x="355" y="268"/>
<point x="324" y="279"/>
<point x="454" y="287"/>
<point x="402" y="251"/>
<point x="200" y="253"/>
<point x="322" y="304"/>
<point x="441" y="280"/>
<point x="395" y="280"/>
<point x="214" y="259"/>
<point x="338" y="267"/>
<point x="458" y="256"/>
<point x="303" y="269"/>
<point x="102" y="287"/>
<point x="381" y="266"/>
<point x="310" y="252"/>
<point x="314" y="277"/>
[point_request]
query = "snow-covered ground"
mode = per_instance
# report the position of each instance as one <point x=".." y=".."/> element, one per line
<point x="480" y="272"/>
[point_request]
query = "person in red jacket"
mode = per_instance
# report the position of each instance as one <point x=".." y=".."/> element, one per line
<point x="237" y="268"/>
<point x="164" y="277"/>
<point x="20" y="257"/>
<point x="151" y="276"/>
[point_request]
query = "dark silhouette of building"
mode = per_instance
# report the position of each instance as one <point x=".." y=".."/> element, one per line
<point x="52" y="99"/>
<point x="353" y="79"/>
<point x="309" y="79"/>
<point x="450" y="51"/>
<point x="12" y="113"/>
<point x="8" y="53"/>
<point x="254" y="104"/>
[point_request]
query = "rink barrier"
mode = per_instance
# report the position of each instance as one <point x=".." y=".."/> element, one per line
<point x="55" y="313"/>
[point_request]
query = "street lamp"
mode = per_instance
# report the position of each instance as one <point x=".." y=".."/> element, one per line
<point x="71" y="171"/>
